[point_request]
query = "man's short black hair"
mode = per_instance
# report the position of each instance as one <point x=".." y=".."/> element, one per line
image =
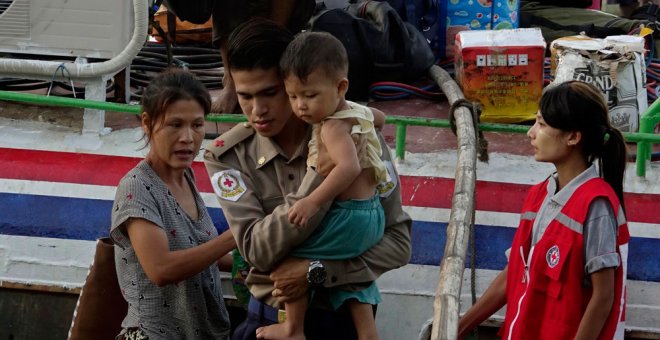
<point x="257" y="44"/>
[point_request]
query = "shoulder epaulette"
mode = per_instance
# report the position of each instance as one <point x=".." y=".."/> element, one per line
<point x="229" y="139"/>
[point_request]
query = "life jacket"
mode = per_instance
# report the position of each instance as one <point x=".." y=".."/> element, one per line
<point x="546" y="295"/>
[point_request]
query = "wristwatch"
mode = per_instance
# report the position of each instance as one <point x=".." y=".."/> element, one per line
<point x="316" y="273"/>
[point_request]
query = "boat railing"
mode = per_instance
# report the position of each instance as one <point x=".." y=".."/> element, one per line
<point x="645" y="138"/>
<point x="647" y="124"/>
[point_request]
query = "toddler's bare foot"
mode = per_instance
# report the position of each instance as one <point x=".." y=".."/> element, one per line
<point x="280" y="331"/>
<point x="227" y="102"/>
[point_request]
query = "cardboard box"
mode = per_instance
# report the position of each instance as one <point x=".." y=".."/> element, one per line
<point x="503" y="71"/>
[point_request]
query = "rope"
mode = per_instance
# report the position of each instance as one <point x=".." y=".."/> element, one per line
<point x="387" y="90"/>
<point x="475" y="109"/>
<point x="61" y="68"/>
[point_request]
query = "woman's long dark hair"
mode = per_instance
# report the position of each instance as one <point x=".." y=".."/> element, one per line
<point x="577" y="106"/>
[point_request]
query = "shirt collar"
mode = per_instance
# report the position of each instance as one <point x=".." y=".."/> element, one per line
<point x="565" y="193"/>
<point x="267" y="149"/>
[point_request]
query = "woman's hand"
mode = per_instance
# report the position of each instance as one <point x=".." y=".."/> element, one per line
<point x="490" y="302"/>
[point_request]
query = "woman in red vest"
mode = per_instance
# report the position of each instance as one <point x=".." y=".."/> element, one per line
<point x="567" y="265"/>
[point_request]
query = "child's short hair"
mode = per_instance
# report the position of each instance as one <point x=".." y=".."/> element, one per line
<point x="310" y="51"/>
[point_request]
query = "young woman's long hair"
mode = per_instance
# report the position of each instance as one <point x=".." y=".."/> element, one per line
<point x="577" y="106"/>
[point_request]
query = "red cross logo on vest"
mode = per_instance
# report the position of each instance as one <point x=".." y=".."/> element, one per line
<point x="552" y="256"/>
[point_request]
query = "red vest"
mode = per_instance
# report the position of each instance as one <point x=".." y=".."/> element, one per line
<point x="549" y="299"/>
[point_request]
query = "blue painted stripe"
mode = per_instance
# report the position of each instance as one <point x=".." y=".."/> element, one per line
<point x="89" y="219"/>
<point x="428" y="239"/>
<point x="64" y="217"/>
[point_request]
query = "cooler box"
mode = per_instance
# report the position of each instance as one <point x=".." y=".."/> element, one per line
<point x="503" y="71"/>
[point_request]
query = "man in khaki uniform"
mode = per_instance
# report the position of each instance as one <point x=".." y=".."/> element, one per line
<point x="258" y="169"/>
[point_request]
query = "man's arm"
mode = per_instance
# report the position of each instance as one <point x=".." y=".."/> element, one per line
<point x="393" y="251"/>
<point x="262" y="239"/>
<point x="265" y="239"/>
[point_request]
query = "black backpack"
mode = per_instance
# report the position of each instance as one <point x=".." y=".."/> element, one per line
<point x="197" y="12"/>
<point x="380" y="45"/>
<point x="424" y="15"/>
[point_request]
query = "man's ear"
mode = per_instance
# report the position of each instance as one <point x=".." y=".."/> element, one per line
<point x="342" y="86"/>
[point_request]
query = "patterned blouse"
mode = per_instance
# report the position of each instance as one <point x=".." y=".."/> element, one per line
<point x="190" y="309"/>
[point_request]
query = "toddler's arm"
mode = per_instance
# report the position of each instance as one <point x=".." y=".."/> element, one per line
<point x="379" y="118"/>
<point x="336" y="136"/>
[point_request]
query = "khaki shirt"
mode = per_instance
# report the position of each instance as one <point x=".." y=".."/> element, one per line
<point x="256" y="184"/>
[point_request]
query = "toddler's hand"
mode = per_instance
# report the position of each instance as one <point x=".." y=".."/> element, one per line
<point x="301" y="212"/>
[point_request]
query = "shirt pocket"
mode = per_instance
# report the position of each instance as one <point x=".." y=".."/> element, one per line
<point x="550" y="266"/>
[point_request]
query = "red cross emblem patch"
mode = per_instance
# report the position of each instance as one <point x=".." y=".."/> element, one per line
<point x="228" y="185"/>
<point x="552" y="256"/>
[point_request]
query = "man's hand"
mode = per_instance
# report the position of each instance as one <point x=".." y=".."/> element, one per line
<point x="302" y="211"/>
<point x="290" y="279"/>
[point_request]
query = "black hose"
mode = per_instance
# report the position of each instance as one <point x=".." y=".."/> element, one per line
<point x="201" y="59"/>
<point x="154" y="69"/>
<point x="205" y="73"/>
<point x="25" y="87"/>
<point x="17" y="81"/>
<point x="215" y="58"/>
<point x="152" y="62"/>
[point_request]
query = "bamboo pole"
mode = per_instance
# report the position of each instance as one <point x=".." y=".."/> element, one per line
<point x="446" y="306"/>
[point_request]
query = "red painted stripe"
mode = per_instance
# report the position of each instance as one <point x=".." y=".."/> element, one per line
<point x="68" y="167"/>
<point x="64" y="167"/>
<point x="437" y="192"/>
<point x="418" y="191"/>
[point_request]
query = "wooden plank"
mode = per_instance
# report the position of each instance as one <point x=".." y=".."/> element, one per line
<point x="40" y="288"/>
<point x="31" y="314"/>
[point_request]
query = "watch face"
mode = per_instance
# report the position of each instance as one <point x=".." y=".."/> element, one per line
<point x="316" y="275"/>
